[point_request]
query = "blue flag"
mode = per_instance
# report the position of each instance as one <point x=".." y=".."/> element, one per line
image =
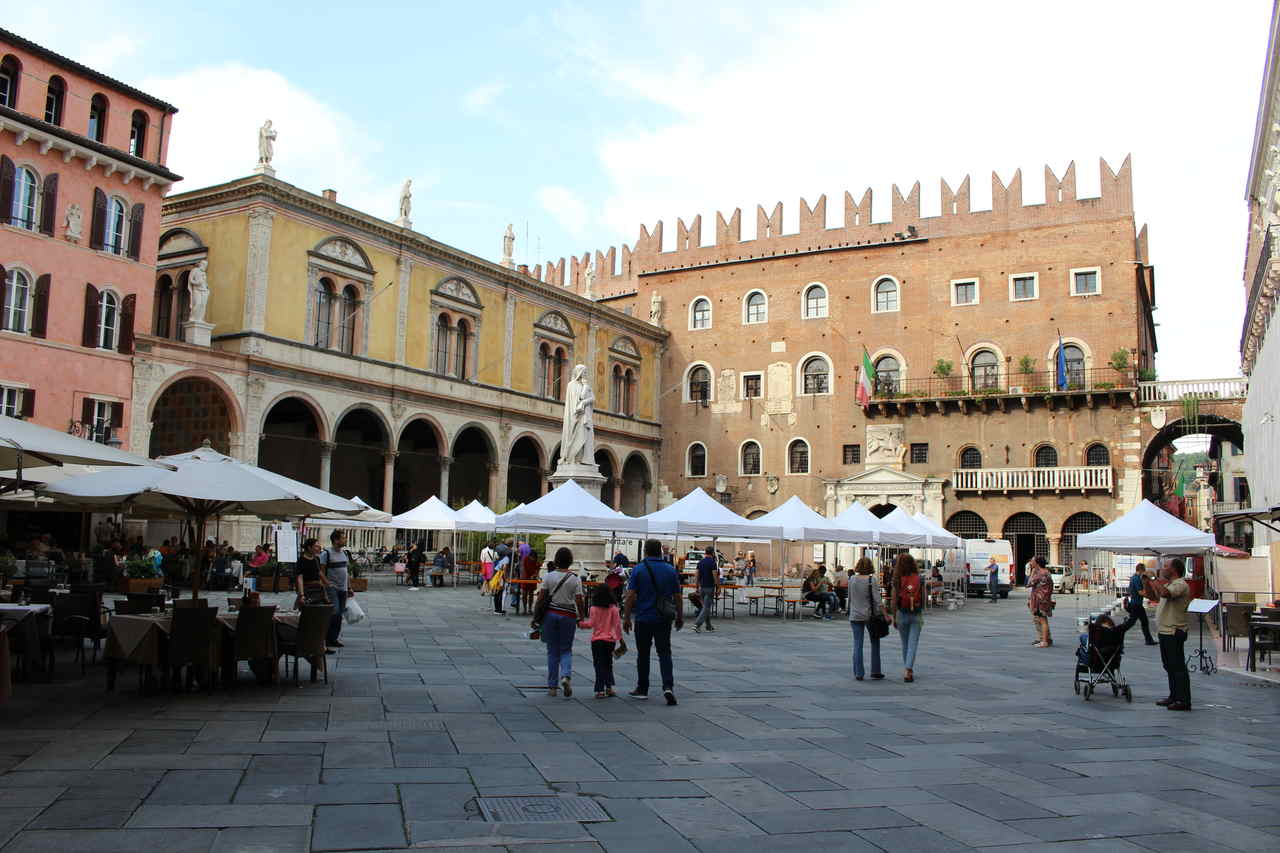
<point x="1062" y="365"/>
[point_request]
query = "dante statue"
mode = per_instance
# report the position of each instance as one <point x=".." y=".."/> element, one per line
<point x="198" y="283"/>
<point x="266" y="143"/>
<point x="406" y="199"/>
<point x="577" y="436"/>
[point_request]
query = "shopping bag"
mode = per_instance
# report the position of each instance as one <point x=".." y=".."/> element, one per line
<point x="354" y="612"/>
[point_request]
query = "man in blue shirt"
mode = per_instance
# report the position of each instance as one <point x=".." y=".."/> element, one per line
<point x="1135" y="603"/>
<point x="654" y="587"/>
<point x="708" y="586"/>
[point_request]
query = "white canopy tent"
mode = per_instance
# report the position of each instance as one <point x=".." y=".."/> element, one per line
<point x="799" y="523"/>
<point x="367" y="517"/>
<point x="431" y="514"/>
<point x="942" y="537"/>
<point x="569" y="507"/>
<point x="697" y="514"/>
<point x="903" y="530"/>
<point x="858" y="517"/>
<point x="1147" y="529"/>
<point x="477" y="517"/>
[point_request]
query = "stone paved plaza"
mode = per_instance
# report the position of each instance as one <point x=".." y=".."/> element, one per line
<point x="436" y="702"/>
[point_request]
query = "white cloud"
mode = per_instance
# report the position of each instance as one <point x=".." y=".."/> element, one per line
<point x="479" y="99"/>
<point x="778" y="103"/>
<point x="566" y="208"/>
<point x="215" y="137"/>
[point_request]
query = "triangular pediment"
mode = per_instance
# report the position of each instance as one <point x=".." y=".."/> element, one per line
<point x="884" y="476"/>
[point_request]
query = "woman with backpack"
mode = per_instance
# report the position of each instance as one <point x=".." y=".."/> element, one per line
<point x="908" y="601"/>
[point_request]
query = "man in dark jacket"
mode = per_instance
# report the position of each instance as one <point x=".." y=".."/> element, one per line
<point x="1135" y="604"/>
<point x="652" y="581"/>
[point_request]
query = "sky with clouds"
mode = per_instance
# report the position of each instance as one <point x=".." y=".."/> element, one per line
<point x="577" y="122"/>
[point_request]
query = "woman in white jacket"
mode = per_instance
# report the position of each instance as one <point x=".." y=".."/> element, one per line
<point x="864" y="602"/>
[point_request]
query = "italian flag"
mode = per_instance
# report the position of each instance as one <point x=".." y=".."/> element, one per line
<point x="866" y="380"/>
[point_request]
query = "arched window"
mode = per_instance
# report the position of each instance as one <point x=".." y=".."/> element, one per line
<point x="1046" y="456"/>
<point x="108" y="319"/>
<point x="1097" y="454"/>
<point x="26" y="193"/>
<point x="798" y="457"/>
<point x="971" y="457"/>
<point x="1073" y="361"/>
<point x="17" y="302"/>
<point x="347" y="329"/>
<point x="115" y="240"/>
<point x="542" y="371"/>
<point x="97" y="118"/>
<point x="699" y="384"/>
<point x="750" y="458"/>
<point x="888" y="375"/>
<point x="817" y="375"/>
<point x="629" y="392"/>
<point x="697" y="460"/>
<point x="184" y="305"/>
<point x="984" y="370"/>
<point x="54" y="99"/>
<point x="557" y="374"/>
<point x="10" y="75"/>
<point x="757" y="307"/>
<point x="443" y="331"/>
<point x="886" y="295"/>
<point x="138" y="134"/>
<point x="700" y="313"/>
<point x="815" y="301"/>
<point x="616" y="390"/>
<point x="464" y="345"/>
<point x="163" y="313"/>
<point x="967" y="524"/>
<point x="324" y="313"/>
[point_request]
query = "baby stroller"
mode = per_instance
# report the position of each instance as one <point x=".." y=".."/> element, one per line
<point x="1098" y="659"/>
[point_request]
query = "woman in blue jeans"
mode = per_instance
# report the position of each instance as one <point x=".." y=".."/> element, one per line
<point x="565" y="607"/>
<point x="908" y="601"/>
<point x="864" y="602"/>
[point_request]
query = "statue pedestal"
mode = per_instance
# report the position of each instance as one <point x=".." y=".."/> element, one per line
<point x="264" y="169"/>
<point x="404" y="222"/>
<point x="586" y="476"/>
<point x="197" y="332"/>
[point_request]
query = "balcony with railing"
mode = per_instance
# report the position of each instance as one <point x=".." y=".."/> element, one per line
<point x="1234" y="388"/>
<point x="988" y="387"/>
<point x="1078" y="478"/>
<point x="99" y="431"/>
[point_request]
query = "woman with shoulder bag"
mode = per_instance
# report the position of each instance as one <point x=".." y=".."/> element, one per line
<point x="310" y="581"/>
<point x="908" y="601"/>
<point x="866" y="612"/>
<point x="559" y="607"/>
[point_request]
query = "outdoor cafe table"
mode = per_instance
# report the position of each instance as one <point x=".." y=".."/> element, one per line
<point x="36" y="621"/>
<point x="1257" y="627"/>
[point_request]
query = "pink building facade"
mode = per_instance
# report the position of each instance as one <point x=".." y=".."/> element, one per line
<point x="82" y="177"/>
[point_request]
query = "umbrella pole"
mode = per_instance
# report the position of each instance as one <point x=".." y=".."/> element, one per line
<point x="198" y="571"/>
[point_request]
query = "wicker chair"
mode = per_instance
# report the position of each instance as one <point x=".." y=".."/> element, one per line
<point x="308" y="642"/>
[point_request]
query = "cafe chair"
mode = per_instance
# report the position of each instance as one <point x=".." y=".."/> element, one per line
<point x="182" y="603"/>
<point x="147" y="600"/>
<point x="191" y="645"/>
<point x="256" y="642"/>
<point x="76" y="616"/>
<point x="309" y="642"/>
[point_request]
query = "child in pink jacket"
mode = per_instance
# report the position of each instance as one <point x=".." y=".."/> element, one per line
<point x="606" y="632"/>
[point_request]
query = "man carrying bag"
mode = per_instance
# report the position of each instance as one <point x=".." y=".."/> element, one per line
<point x="653" y="597"/>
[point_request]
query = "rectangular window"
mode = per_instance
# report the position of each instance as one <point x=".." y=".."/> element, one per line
<point x="1084" y="282"/>
<point x="103" y="416"/>
<point x="1023" y="287"/>
<point x="11" y="402"/>
<point x="1242" y="489"/>
<point x="964" y="292"/>
<point x="919" y="454"/>
<point x="852" y="454"/>
<point x="752" y="386"/>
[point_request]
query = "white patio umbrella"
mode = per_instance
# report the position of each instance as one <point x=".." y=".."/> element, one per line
<point x="367" y="517"/>
<point x="202" y="483"/>
<point x="1147" y="529"/>
<point x="569" y="507"/>
<point x="27" y="445"/>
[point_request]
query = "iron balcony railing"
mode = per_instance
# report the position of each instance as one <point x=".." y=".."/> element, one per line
<point x="1200" y="389"/>
<point x="1072" y="478"/>
<point x="989" y="382"/>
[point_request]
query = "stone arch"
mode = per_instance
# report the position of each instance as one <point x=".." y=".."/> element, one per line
<point x="968" y="524"/>
<point x="196" y="406"/>
<point x="637" y="483"/>
<point x="526" y="469"/>
<point x="291" y="440"/>
<point x="237" y="415"/>
<point x="307" y="400"/>
<point x="607" y="461"/>
<point x="373" y="410"/>
<point x="1075" y="525"/>
<point x="1028" y="537"/>
<point x="474" y="455"/>
<point x="346" y="251"/>
<point x="361" y="437"/>
<point x="419" y="450"/>
<point x="180" y="240"/>
<point x="1158" y="471"/>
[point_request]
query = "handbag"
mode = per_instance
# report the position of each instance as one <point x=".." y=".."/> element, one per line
<point x="877" y="625"/>
<point x="543" y="603"/>
<point x="663" y="604"/>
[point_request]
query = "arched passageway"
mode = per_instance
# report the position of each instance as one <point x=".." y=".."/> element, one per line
<point x="636" y="483"/>
<point x="1190" y="454"/>
<point x="290" y="442"/>
<point x="524" y="473"/>
<point x="188" y="412"/>
<point x="1076" y="525"/>
<point x="609" y="491"/>
<point x="417" y="472"/>
<point x="1025" y="533"/>
<point x="469" y="472"/>
<point x="967" y="524"/>
<point x="359" y="458"/>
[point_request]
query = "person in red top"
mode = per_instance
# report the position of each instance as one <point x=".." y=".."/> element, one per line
<point x="528" y="572"/>
<point x="908" y="602"/>
<point x="605" y="622"/>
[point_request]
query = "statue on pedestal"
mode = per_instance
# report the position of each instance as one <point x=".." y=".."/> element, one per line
<point x="577" y="436"/>
<point x="198" y="283"/>
<point x="406" y="199"/>
<point x="655" y="309"/>
<point x="508" y="247"/>
<point x="266" y="147"/>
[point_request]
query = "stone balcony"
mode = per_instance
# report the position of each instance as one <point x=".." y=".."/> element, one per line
<point x="1079" y="478"/>
<point x="1234" y="388"/>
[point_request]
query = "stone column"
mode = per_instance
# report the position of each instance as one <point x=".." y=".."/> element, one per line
<point x="609" y="494"/>
<point x="388" y="477"/>
<point x="326" y="463"/>
<point x="497" y="487"/>
<point x="1055" y="551"/>
<point x="445" y="462"/>
<point x="649" y="497"/>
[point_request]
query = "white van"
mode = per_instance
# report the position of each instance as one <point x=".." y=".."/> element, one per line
<point x="978" y="554"/>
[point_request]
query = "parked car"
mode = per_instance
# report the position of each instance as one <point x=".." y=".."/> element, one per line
<point x="1064" y="578"/>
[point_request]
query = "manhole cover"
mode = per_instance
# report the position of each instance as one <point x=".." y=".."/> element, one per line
<point x="540" y="809"/>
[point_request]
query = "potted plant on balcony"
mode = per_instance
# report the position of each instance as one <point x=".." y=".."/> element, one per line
<point x="140" y="575"/>
<point x="942" y="369"/>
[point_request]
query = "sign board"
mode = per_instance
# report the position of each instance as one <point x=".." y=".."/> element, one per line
<point x="286" y="543"/>
<point x="1202" y="605"/>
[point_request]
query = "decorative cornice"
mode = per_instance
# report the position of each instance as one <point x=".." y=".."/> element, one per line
<point x="50" y="136"/>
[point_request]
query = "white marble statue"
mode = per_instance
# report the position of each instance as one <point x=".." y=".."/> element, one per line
<point x="198" y="284"/>
<point x="508" y="247"/>
<point x="73" y="223"/>
<point x="266" y="143"/>
<point x="406" y="199"/>
<point x="577" y="436"/>
<point x="589" y="278"/>
<point x="655" y="308"/>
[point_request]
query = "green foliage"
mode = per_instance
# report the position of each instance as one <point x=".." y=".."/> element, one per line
<point x="1104" y="386"/>
<point x="1120" y="360"/>
<point x="1027" y="364"/>
<point x="942" y="368"/>
<point x="1147" y="374"/>
<point x="139" y="568"/>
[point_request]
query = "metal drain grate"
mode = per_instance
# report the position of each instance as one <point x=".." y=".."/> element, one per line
<point x="540" y="809"/>
<point x="403" y="724"/>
